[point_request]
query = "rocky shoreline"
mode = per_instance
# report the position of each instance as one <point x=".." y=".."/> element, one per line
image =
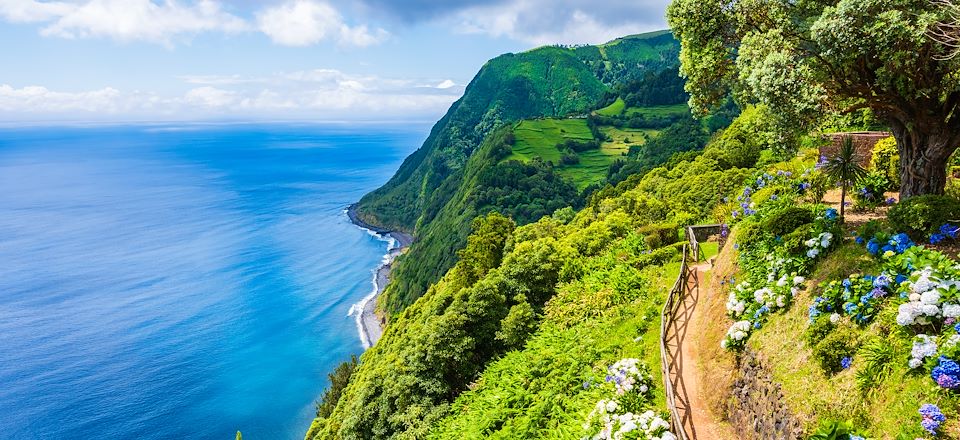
<point x="369" y="322"/>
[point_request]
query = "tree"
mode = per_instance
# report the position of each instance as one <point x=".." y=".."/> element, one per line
<point x="844" y="169"/>
<point x="807" y="58"/>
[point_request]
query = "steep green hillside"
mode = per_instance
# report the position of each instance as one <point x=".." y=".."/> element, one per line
<point x="528" y="315"/>
<point x="544" y="82"/>
<point x="549" y="81"/>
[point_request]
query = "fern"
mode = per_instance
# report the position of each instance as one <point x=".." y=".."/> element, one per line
<point x="877" y="356"/>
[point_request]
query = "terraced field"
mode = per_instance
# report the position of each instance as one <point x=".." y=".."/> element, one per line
<point x="540" y="137"/>
<point x="615" y="109"/>
<point x="658" y="110"/>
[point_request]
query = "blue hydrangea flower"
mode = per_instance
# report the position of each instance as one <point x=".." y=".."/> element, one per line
<point x="949" y="230"/>
<point x="873" y="246"/>
<point x="937" y="238"/>
<point x="831" y="214"/>
<point x="932" y="417"/>
<point x="946" y="373"/>
<point x="846" y="362"/>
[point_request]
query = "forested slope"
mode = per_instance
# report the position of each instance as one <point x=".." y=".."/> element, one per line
<point x="545" y="82"/>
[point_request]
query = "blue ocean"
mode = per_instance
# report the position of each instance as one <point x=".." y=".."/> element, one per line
<point x="182" y="281"/>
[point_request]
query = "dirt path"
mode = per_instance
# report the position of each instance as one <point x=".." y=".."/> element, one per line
<point x="702" y="425"/>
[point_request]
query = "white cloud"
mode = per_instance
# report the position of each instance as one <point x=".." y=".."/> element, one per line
<point x="30" y="11"/>
<point x="560" y="21"/>
<point x="211" y="97"/>
<point x="321" y="94"/>
<point x="36" y="99"/>
<point x="306" y="22"/>
<point x="294" y="23"/>
<point x="133" y="20"/>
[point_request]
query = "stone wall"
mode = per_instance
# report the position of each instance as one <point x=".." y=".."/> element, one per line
<point x="863" y="142"/>
<point x="756" y="409"/>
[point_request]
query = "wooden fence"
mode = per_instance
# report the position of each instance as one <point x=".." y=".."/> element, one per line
<point x="673" y="324"/>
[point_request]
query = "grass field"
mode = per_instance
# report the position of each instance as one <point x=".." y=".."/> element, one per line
<point x="623" y="138"/>
<point x="615" y="109"/>
<point x="540" y="137"/>
<point x="658" y="111"/>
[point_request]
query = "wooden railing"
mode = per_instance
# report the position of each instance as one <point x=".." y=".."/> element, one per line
<point x="673" y="330"/>
<point x="670" y="352"/>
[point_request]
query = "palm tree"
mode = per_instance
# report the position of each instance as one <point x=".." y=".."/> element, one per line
<point x="844" y="169"/>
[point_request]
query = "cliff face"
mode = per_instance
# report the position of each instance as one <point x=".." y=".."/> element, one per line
<point x="544" y="82"/>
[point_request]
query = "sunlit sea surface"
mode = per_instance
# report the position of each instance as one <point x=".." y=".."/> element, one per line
<point x="181" y="282"/>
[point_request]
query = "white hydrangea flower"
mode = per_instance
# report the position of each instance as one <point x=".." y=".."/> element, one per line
<point x="825" y="239"/>
<point x="951" y="310"/>
<point x="812" y="253"/>
<point x="834" y="318"/>
<point x="930" y="297"/>
<point x="930" y="310"/>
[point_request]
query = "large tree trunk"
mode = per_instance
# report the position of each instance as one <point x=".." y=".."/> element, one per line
<point x="925" y="147"/>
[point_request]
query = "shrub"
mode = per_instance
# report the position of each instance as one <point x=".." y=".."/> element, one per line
<point x="569" y="158"/>
<point x="834" y="347"/>
<point x="749" y="231"/>
<point x="819" y="185"/>
<point x="787" y="220"/>
<point x="339" y="380"/>
<point x="834" y="430"/>
<point x="921" y="215"/>
<point x="818" y="330"/>
<point x="868" y="193"/>
<point x="886" y="161"/>
<point x="659" y="235"/>
<point x="658" y="257"/>
<point x="871" y="229"/>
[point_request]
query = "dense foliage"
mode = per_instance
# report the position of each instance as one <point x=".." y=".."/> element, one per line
<point x="436" y="189"/>
<point x="560" y="299"/>
<point x="810" y="58"/>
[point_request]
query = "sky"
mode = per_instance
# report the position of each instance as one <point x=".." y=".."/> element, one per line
<point x="275" y="60"/>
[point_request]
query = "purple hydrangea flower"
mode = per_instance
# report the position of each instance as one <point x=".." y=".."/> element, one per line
<point x="946" y="373"/>
<point x="932" y="417"/>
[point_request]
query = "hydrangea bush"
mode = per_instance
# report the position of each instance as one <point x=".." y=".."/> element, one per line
<point x="627" y="416"/>
<point x="775" y="268"/>
<point x="858" y="297"/>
